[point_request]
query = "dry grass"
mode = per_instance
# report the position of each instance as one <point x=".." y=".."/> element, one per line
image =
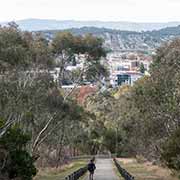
<point x="146" y="171"/>
<point x="60" y="173"/>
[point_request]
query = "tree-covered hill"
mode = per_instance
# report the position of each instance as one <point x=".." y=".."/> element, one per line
<point x="124" y="40"/>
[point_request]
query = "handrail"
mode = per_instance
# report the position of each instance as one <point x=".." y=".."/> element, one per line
<point x="77" y="174"/>
<point x="123" y="172"/>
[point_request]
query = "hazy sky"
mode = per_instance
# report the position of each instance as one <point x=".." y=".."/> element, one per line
<point x="105" y="10"/>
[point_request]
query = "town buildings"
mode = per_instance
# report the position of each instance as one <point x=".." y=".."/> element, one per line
<point x="124" y="67"/>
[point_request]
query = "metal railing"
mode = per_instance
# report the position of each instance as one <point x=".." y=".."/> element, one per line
<point x="123" y="172"/>
<point x="77" y="174"/>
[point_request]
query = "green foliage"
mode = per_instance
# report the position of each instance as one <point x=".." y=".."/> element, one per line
<point x="138" y="120"/>
<point x="21" y="50"/>
<point x="171" y="151"/>
<point x="142" y="68"/>
<point x="66" y="46"/>
<point x="18" y="163"/>
<point x="32" y="99"/>
<point x="40" y="51"/>
<point x="96" y="71"/>
<point x="153" y="110"/>
<point x="14" y="140"/>
<point x="22" y="165"/>
<point x="146" y="115"/>
<point x="62" y="41"/>
<point x="13" y="48"/>
<point x="111" y="139"/>
<point x="93" y="46"/>
<point x="66" y="41"/>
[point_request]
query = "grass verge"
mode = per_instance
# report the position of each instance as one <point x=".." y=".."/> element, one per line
<point x="60" y="173"/>
<point x="146" y="171"/>
<point x="117" y="172"/>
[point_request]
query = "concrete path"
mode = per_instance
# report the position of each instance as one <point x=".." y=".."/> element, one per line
<point x="104" y="170"/>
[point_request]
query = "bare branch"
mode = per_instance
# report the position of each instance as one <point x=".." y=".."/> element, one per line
<point x="41" y="132"/>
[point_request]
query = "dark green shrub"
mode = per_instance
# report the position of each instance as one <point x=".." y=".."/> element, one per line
<point x="171" y="151"/>
<point x="16" y="161"/>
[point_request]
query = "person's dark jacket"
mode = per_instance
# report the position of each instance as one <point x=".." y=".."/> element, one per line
<point x="91" y="167"/>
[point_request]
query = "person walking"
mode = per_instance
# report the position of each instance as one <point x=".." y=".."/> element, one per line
<point x="91" y="169"/>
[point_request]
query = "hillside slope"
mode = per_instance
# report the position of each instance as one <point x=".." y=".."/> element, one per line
<point x="117" y="40"/>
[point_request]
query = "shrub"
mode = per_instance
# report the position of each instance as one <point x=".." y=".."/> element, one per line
<point x="171" y="151"/>
<point x="15" y="160"/>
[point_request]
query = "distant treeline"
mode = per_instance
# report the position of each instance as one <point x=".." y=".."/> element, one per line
<point x="94" y="30"/>
<point x="117" y="39"/>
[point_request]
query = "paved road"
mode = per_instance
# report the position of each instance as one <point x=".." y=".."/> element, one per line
<point x="104" y="170"/>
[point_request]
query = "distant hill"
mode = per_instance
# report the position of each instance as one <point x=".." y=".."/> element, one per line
<point x="117" y="40"/>
<point x="117" y="35"/>
<point x="44" y="24"/>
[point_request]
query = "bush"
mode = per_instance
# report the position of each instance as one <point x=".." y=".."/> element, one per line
<point x="171" y="151"/>
<point x="141" y="159"/>
<point x="15" y="160"/>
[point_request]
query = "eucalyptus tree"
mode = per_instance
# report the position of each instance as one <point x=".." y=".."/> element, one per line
<point x="66" y="46"/>
<point x="14" y="50"/>
<point x="35" y="118"/>
<point x="154" y="108"/>
<point x="32" y="101"/>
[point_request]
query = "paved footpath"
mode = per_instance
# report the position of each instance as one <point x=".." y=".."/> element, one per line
<point x="104" y="170"/>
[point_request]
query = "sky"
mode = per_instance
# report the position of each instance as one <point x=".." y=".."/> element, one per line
<point x="103" y="10"/>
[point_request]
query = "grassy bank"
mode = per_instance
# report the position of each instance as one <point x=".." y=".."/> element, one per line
<point x="117" y="172"/>
<point x="146" y="171"/>
<point x="61" y="173"/>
